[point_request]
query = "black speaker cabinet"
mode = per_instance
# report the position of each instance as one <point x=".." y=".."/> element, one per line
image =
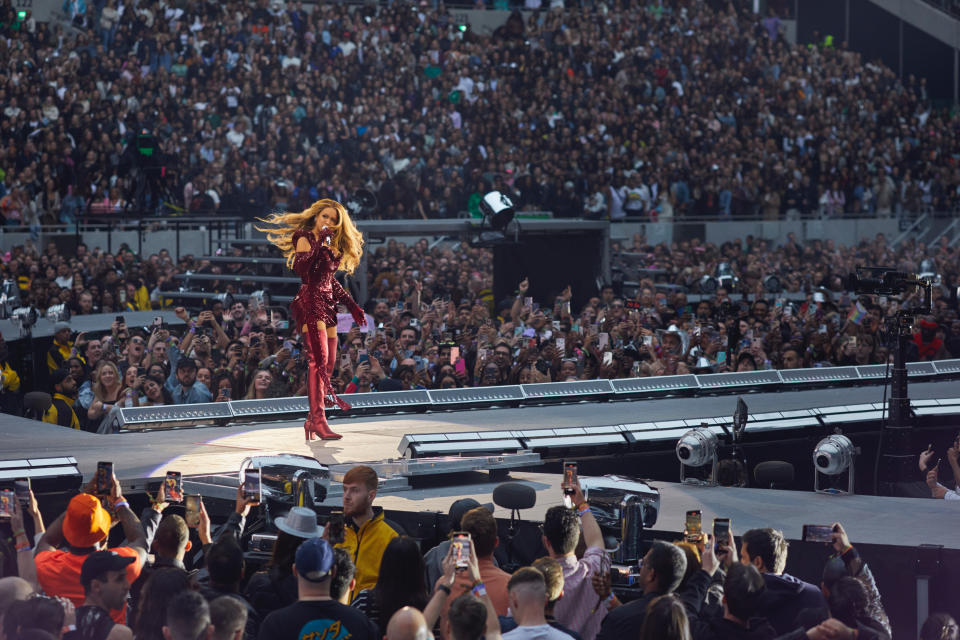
<point x="551" y="260"/>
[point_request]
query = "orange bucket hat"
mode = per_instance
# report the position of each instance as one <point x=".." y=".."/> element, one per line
<point x="86" y="522"/>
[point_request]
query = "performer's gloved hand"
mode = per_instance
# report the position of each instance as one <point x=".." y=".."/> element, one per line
<point x="326" y="236"/>
<point x="358" y="315"/>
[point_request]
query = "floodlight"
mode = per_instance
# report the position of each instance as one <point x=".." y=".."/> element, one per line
<point x="832" y="456"/>
<point x="709" y="284"/>
<point x="259" y="299"/>
<point x="697" y="448"/>
<point x="725" y="276"/>
<point x="24" y="317"/>
<point x="58" y="313"/>
<point x="623" y="507"/>
<point x="497" y="210"/>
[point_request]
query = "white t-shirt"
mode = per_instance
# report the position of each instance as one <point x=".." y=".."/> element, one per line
<point x="539" y="632"/>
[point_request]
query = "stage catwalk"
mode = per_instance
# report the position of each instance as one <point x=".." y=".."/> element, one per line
<point x="139" y="456"/>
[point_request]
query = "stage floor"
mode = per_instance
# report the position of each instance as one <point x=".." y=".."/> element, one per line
<point x="138" y="456"/>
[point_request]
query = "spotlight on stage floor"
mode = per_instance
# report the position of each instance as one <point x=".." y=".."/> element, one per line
<point x="832" y="456"/>
<point x="698" y="448"/>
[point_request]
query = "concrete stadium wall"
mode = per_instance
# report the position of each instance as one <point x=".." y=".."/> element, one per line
<point x="845" y="232"/>
<point x="191" y="242"/>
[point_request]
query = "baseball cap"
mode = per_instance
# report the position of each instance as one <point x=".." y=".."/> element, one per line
<point x="459" y="508"/>
<point x="58" y="376"/>
<point x="60" y="326"/>
<point x="86" y="522"/>
<point x="186" y="363"/>
<point x="100" y="562"/>
<point x="314" y="560"/>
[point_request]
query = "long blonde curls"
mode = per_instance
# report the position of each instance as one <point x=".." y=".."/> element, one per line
<point x="347" y="240"/>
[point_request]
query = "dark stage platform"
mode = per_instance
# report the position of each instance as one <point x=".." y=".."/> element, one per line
<point x="198" y="451"/>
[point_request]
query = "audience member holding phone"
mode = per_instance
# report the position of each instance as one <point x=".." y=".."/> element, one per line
<point x="79" y="531"/>
<point x="930" y="467"/>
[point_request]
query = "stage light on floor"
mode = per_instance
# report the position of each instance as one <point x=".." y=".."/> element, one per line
<point x="166" y="417"/>
<point x="58" y="313"/>
<point x="698" y="448"/>
<point x="832" y="456"/>
<point x="24" y="317"/>
<point x="623" y="508"/>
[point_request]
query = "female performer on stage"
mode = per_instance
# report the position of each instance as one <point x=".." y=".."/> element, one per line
<point x="317" y="243"/>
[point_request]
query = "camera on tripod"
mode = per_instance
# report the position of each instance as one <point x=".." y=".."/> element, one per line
<point x="889" y="282"/>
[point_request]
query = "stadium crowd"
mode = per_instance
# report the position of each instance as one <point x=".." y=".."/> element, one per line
<point x="673" y="108"/>
<point x="433" y="322"/>
<point x="178" y="578"/>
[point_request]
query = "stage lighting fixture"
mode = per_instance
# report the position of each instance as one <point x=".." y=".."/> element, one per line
<point x="394" y="401"/>
<point x="657" y="385"/>
<point x="832" y="456"/>
<point x="259" y="299"/>
<point x="24" y="317"/>
<point x="567" y="391"/>
<point x="817" y="375"/>
<point x="725" y="276"/>
<point x="771" y="284"/>
<point x="166" y="417"/>
<point x="945" y="366"/>
<point x="507" y="394"/>
<point x="709" y="284"/>
<point x="226" y="299"/>
<point x="270" y="408"/>
<point x="58" y="313"/>
<point x="623" y="507"/>
<point x="497" y="210"/>
<point x="9" y="297"/>
<point x="698" y="448"/>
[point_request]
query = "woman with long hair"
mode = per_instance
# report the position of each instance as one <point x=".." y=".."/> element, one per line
<point x="401" y="583"/>
<point x="162" y="587"/>
<point x="317" y="243"/>
<point x="107" y="390"/>
<point x="666" y="619"/>
<point x="260" y="385"/>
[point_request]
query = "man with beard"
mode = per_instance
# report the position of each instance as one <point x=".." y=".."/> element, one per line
<point x="64" y="395"/>
<point x="366" y="533"/>
<point x="234" y="322"/>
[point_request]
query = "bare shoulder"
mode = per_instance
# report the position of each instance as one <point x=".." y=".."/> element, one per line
<point x="303" y="245"/>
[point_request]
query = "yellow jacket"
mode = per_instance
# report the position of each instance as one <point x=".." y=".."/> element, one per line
<point x="366" y="545"/>
<point x="61" y="412"/>
<point x="11" y="379"/>
<point x="140" y="301"/>
<point x="58" y="355"/>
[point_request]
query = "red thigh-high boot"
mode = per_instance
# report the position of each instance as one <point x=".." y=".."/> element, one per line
<point x="314" y="388"/>
<point x="331" y="361"/>
<point x="319" y="382"/>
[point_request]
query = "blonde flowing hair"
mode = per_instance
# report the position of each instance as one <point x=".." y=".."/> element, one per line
<point x="99" y="392"/>
<point x="347" y="240"/>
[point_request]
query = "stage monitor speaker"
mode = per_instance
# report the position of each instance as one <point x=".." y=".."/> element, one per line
<point x="551" y="261"/>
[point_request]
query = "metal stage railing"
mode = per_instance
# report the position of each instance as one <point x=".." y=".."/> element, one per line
<point x="422" y="400"/>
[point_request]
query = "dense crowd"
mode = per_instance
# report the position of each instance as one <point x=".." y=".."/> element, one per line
<point x="673" y="108"/>
<point x="433" y="322"/>
<point x="360" y="577"/>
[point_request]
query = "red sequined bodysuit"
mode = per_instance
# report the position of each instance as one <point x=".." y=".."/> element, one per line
<point x="320" y="292"/>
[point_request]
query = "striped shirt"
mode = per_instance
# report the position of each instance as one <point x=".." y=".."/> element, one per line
<point x="577" y="609"/>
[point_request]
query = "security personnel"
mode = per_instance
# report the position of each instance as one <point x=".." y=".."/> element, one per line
<point x="64" y="395"/>
<point x="61" y="349"/>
